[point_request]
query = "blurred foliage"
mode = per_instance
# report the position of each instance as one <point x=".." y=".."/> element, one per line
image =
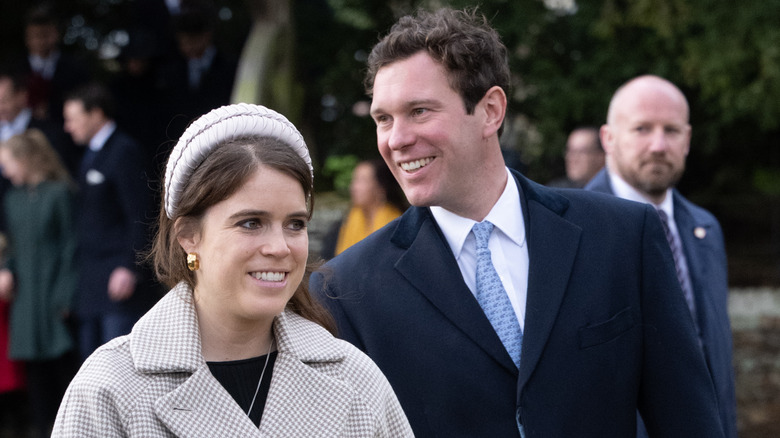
<point x="567" y="58"/>
<point x="339" y="168"/>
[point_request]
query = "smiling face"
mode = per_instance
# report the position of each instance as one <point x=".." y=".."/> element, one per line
<point x="647" y="136"/>
<point x="440" y="155"/>
<point x="253" y="248"/>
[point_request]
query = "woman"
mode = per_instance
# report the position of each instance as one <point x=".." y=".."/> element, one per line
<point x="40" y="277"/>
<point x="237" y="347"/>
<point x="376" y="199"/>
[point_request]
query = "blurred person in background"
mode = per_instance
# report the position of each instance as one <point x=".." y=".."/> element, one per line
<point x="13" y="408"/>
<point x="16" y="117"/>
<point x="199" y="77"/>
<point x="40" y="277"/>
<point x="112" y="224"/>
<point x="375" y="199"/>
<point x="138" y="88"/>
<point x="51" y="73"/>
<point x="584" y="158"/>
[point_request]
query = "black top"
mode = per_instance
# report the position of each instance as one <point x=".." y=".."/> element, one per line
<point x="239" y="378"/>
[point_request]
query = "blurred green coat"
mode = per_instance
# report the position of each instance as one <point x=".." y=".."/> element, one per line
<point x="42" y="257"/>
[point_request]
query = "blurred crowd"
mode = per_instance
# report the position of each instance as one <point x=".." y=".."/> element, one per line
<point x="82" y="154"/>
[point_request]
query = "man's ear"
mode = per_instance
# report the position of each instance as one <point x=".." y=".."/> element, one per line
<point x="607" y="138"/>
<point x="187" y="234"/>
<point x="493" y="103"/>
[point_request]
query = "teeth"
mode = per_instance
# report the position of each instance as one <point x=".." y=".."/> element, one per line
<point x="414" y="165"/>
<point x="268" y="276"/>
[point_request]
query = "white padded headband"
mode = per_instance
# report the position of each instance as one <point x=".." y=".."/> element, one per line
<point x="217" y="127"/>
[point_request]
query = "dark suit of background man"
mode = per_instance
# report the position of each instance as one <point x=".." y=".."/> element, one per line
<point x="199" y="77"/>
<point x="590" y="277"/>
<point x="111" y="222"/>
<point x="51" y="73"/>
<point x="647" y="138"/>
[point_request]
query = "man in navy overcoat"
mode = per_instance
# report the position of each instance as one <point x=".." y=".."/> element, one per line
<point x="589" y="277"/>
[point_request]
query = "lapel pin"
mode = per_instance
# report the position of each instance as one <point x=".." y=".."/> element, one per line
<point x="700" y="232"/>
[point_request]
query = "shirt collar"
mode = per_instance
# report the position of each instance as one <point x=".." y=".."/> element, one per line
<point x="17" y="125"/>
<point x="624" y="190"/>
<point x="204" y="61"/>
<point x="506" y="215"/>
<point x="45" y="66"/>
<point x="98" y="140"/>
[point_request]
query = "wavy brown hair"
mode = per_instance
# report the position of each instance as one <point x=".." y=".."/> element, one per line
<point x="220" y="175"/>
<point x="462" y="41"/>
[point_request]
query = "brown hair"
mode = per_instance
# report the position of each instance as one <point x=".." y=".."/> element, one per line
<point x="463" y="42"/>
<point x="32" y="148"/>
<point x="220" y="175"/>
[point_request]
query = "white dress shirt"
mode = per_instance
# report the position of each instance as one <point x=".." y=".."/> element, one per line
<point x="44" y="66"/>
<point x="99" y="140"/>
<point x="16" y="126"/>
<point x="507" y="245"/>
<point x="623" y="190"/>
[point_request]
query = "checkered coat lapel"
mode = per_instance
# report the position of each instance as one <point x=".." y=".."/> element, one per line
<point x="166" y="342"/>
<point x="302" y="400"/>
<point x="155" y="382"/>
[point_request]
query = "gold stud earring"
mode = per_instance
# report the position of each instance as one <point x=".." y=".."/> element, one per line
<point x="192" y="261"/>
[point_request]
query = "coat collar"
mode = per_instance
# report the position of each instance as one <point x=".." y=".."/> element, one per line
<point x="301" y="398"/>
<point x="553" y="242"/>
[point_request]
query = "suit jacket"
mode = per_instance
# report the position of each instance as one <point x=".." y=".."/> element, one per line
<point x="112" y="224"/>
<point x="185" y="104"/>
<point x="70" y="73"/>
<point x="605" y="331"/>
<point x="707" y="266"/>
<point x="155" y="383"/>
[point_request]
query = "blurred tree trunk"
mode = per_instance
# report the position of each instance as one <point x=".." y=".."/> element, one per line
<point x="266" y="69"/>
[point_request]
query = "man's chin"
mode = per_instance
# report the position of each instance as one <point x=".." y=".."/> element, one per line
<point x="656" y="186"/>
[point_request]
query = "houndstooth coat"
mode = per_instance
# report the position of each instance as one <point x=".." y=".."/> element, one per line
<point x="155" y="383"/>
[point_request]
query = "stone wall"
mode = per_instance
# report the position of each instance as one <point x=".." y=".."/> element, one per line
<point x="755" y="319"/>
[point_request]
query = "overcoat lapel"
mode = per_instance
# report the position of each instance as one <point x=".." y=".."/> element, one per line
<point x="303" y="399"/>
<point x="693" y="246"/>
<point x="305" y="402"/>
<point x="202" y="407"/>
<point x="428" y="264"/>
<point x="695" y="250"/>
<point x="552" y="248"/>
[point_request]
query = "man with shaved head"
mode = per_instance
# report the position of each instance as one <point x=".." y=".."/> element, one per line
<point x="647" y="139"/>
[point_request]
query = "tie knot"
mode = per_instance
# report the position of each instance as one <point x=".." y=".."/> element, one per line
<point x="482" y="232"/>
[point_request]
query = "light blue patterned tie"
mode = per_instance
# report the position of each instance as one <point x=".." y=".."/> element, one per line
<point x="493" y="298"/>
